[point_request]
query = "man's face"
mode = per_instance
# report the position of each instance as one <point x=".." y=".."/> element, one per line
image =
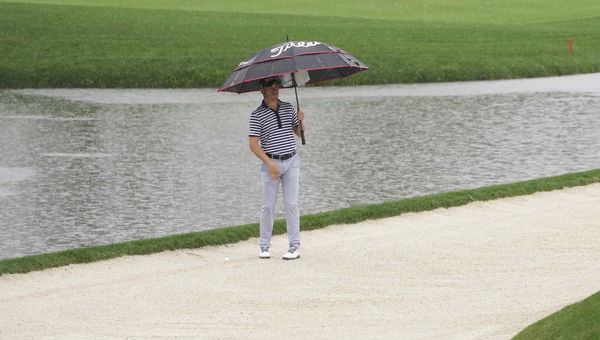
<point x="271" y="92"/>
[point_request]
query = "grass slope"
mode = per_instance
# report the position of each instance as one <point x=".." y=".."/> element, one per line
<point x="308" y="222"/>
<point x="577" y="321"/>
<point x="197" y="44"/>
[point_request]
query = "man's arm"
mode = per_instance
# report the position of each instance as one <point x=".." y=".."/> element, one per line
<point x="260" y="153"/>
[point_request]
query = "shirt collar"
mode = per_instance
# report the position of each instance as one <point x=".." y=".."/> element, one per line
<point x="263" y="104"/>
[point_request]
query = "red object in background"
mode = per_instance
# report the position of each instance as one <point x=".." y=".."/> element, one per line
<point x="570" y="44"/>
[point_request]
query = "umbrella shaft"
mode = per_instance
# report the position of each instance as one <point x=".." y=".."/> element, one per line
<point x="297" y="102"/>
<point x="298" y="107"/>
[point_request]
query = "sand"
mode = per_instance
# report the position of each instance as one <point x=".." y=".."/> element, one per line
<point x="484" y="270"/>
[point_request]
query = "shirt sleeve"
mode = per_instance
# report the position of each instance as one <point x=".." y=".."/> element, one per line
<point x="295" y="121"/>
<point x="254" y="129"/>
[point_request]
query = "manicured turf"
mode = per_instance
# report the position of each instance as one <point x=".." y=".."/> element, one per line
<point x="197" y="44"/>
<point x="577" y="321"/>
<point x="456" y="11"/>
<point x="308" y="222"/>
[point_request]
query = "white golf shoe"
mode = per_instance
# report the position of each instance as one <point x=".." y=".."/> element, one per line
<point x="292" y="254"/>
<point x="264" y="253"/>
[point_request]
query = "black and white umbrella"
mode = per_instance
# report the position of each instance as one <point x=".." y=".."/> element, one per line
<point x="310" y="61"/>
<point x="297" y="63"/>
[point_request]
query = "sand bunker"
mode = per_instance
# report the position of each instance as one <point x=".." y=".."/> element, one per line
<point x="484" y="270"/>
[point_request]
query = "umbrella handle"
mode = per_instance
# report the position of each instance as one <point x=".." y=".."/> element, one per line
<point x="302" y="135"/>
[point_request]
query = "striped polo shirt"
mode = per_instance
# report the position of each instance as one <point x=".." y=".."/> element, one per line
<point x="275" y="128"/>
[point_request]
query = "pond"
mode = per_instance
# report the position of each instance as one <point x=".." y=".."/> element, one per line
<point x="82" y="167"/>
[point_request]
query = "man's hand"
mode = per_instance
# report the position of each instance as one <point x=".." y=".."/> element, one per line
<point x="300" y="126"/>
<point x="274" y="170"/>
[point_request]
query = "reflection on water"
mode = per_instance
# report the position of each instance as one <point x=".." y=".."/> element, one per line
<point x="76" y="171"/>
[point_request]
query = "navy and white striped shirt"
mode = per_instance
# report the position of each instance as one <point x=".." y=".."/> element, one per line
<point x="275" y="128"/>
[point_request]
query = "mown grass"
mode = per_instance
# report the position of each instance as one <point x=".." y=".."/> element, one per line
<point x="308" y="222"/>
<point x="456" y="11"/>
<point x="185" y="44"/>
<point x="577" y="321"/>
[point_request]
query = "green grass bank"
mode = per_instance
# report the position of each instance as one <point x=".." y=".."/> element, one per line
<point x="183" y="44"/>
<point x="309" y="222"/>
<point x="577" y="321"/>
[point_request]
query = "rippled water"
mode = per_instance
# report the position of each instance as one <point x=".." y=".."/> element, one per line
<point x="86" y="167"/>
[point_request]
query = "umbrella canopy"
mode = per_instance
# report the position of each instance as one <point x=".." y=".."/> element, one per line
<point x="309" y="61"/>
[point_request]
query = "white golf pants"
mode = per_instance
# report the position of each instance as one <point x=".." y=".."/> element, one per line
<point x="289" y="177"/>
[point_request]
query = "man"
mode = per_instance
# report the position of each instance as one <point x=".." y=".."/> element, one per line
<point x="274" y="124"/>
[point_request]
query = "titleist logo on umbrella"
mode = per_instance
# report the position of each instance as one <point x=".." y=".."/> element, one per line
<point x="280" y="49"/>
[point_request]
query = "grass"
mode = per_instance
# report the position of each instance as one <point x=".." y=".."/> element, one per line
<point x="457" y="11"/>
<point x="308" y="222"/>
<point x="577" y="321"/>
<point x="181" y="44"/>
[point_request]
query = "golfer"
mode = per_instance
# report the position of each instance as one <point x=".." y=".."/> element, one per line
<point x="271" y="138"/>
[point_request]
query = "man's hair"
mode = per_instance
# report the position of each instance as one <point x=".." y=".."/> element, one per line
<point x="269" y="81"/>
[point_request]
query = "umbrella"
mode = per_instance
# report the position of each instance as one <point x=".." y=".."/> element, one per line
<point x="297" y="63"/>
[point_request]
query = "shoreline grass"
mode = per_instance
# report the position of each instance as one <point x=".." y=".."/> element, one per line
<point x="65" y="43"/>
<point x="309" y="222"/>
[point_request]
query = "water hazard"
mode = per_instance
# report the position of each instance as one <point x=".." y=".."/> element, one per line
<point x="87" y="167"/>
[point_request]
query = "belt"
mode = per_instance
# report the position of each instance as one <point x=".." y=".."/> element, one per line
<point x="282" y="157"/>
